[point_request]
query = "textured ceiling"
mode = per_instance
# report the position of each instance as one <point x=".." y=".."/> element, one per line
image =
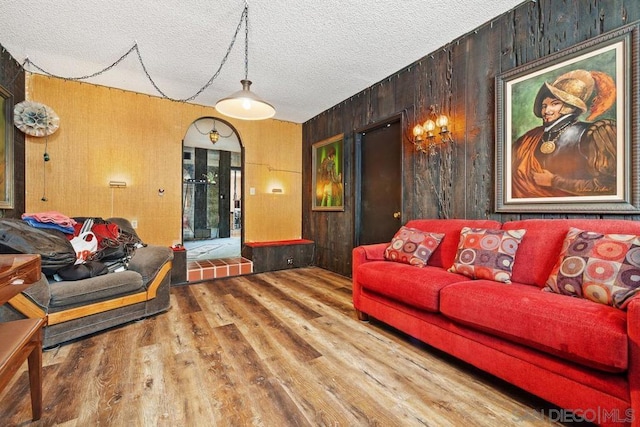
<point x="304" y="56"/>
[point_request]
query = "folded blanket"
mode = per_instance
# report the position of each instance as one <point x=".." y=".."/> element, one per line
<point x="53" y="217"/>
<point x="49" y="225"/>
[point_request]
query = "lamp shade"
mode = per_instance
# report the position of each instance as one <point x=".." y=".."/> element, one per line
<point x="245" y="105"/>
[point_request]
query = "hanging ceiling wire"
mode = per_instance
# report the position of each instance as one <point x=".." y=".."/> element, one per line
<point x="135" y="48"/>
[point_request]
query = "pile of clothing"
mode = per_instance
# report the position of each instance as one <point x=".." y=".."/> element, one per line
<point x="70" y="248"/>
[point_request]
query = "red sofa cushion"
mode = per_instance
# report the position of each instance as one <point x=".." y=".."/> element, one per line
<point x="487" y="253"/>
<point x="412" y="246"/>
<point x="603" y="268"/>
<point x="445" y="253"/>
<point x="417" y="287"/>
<point x="575" y="329"/>
<point x="542" y="243"/>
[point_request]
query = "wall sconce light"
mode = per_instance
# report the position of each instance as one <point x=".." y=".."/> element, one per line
<point x="117" y="184"/>
<point x="423" y="134"/>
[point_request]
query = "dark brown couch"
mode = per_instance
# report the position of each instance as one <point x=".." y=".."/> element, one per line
<point x="78" y="308"/>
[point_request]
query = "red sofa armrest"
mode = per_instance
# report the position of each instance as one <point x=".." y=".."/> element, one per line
<point x="361" y="255"/>
<point x="633" y="332"/>
<point x="367" y="253"/>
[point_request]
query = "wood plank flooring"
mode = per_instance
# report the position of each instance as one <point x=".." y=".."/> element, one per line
<point x="272" y="349"/>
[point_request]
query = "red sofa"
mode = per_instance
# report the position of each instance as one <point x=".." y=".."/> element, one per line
<point x="580" y="355"/>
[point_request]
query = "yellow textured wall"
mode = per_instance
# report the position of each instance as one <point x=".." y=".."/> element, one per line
<point x="109" y="134"/>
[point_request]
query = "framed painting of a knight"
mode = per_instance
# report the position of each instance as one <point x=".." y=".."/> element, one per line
<point x="565" y="142"/>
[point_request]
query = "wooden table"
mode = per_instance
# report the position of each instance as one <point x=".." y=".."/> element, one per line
<point x="21" y="340"/>
<point x="17" y="273"/>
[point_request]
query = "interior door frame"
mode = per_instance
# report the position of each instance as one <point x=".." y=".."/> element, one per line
<point x="357" y="211"/>
<point x="242" y="178"/>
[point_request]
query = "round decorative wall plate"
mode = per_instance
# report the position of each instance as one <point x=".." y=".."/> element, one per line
<point x="35" y="119"/>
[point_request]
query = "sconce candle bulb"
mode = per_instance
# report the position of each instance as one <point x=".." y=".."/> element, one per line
<point x="442" y="121"/>
<point x="429" y="126"/>
<point x="426" y="130"/>
<point x="418" y="133"/>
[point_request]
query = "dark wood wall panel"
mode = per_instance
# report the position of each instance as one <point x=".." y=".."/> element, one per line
<point x="12" y="78"/>
<point x="459" y="79"/>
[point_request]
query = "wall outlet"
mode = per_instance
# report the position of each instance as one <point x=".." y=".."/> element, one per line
<point x="289" y="261"/>
<point x="134" y="223"/>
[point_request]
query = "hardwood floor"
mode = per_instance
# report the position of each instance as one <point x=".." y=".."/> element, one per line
<point x="271" y="349"/>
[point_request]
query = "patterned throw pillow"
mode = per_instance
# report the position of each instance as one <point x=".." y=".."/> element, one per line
<point x="412" y="246"/>
<point x="487" y="254"/>
<point x="603" y="268"/>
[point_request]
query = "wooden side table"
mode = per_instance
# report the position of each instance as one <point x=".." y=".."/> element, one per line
<point x="21" y="340"/>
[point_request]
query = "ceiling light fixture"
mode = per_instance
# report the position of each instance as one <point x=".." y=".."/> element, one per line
<point x="214" y="136"/>
<point x="244" y="104"/>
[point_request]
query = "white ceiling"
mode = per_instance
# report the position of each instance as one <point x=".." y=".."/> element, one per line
<point x="304" y="56"/>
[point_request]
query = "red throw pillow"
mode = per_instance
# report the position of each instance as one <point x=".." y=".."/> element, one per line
<point x="487" y="254"/>
<point x="603" y="268"/>
<point x="412" y="246"/>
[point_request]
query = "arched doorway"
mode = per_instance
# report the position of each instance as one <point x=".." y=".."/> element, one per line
<point x="212" y="208"/>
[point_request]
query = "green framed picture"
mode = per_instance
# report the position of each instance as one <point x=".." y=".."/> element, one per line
<point x="328" y="176"/>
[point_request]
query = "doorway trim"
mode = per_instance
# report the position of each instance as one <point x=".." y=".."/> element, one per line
<point x="357" y="211"/>
<point x="242" y="176"/>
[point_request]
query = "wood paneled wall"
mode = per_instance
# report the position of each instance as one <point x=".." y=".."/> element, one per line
<point x="12" y="79"/>
<point x="109" y="134"/>
<point x="460" y="79"/>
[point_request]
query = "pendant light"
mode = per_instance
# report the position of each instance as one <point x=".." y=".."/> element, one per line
<point x="214" y="136"/>
<point x="244" y="104"/>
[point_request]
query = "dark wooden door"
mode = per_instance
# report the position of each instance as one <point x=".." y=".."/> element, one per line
<point x="379" y="183"/>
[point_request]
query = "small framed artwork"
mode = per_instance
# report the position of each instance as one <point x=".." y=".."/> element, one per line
<point x="328" y="176"/>
<point x="565" y="135"/>
<point x="6" y="149"/>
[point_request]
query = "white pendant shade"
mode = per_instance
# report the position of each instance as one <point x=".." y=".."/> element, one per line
<point x="245" y="105"/>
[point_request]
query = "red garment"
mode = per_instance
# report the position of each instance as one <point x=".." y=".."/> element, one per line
<point x="523" y="163"/>
<point x="584" y="164"/>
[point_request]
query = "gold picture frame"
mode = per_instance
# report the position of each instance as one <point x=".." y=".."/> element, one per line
<point x="6" y="150"/>
<point x="565" y="135"/>
<point x="328" y="174"/>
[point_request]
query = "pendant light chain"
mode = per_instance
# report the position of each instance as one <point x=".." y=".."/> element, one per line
<point x="246" y="40"/>
<point x="243" y="19"/>
<point x="27" y="61"/>
<point x="195" y="124"/>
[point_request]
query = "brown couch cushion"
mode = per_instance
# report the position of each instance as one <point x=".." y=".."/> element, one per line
<point x="80" y="292"/>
